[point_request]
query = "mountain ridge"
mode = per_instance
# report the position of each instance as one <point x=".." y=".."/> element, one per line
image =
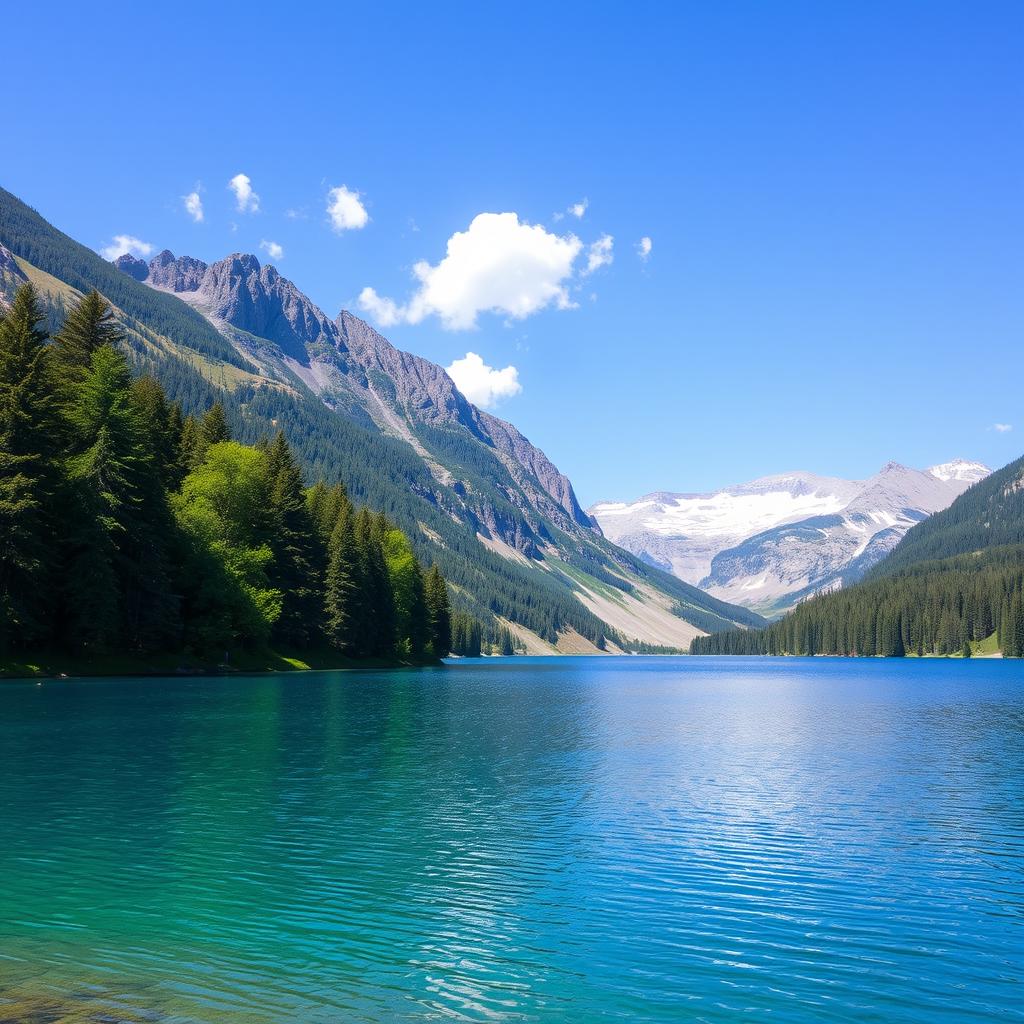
<point x="473" y="493"/>
<point x="771" y="542"/>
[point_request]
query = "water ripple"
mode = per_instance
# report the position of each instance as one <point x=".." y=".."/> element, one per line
<point x="534" y="840"/>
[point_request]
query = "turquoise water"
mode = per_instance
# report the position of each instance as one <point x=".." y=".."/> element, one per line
<point x="521" y="840"/>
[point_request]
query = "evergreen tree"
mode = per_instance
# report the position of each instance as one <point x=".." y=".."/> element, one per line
<point x="438" y="612"/>
<point x="293" y="540"/>
<point x="215" y="426"/>
<point x="191" y="447"/>
<point x="378" y="610"/>
<point x="342" y="589"/>
<point x="1013" y="630"/>
<point x="28" y="479"/>
<point x="160" y="426"/>
<point x="86" y="329"/>
<point x="116" y="580"/>
<point x="505" y="643"/>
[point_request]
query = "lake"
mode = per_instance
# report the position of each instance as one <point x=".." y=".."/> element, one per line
<point x="653" y="839"/>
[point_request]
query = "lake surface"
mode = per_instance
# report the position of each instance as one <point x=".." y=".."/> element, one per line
<point x="522" y="840"/>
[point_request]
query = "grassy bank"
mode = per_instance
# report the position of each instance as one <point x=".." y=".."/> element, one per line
<point x="50" y="664"/>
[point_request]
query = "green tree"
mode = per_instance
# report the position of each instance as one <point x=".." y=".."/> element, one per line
<point x="293" y="539"/>
<point x="438" y="612"/>
<point x="191" y="447"/>
<point x="161" y="424"/>
<point x="505" y="643"/>
<point x="215" y="426"/>
<point x="408" y="594"/>
<point x="377" y="601"/>
<point x="88" y="327"/>
<point x="342" y="597"/>
<point x="117" y="585"/>
<point x="222" y="508"/>
<point x="28" y="475"/>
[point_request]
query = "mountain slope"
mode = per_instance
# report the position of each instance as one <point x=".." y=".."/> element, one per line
<point x="772" y="542"/>
<point x="499" y="518"/>
<point x="953" y="581"/>
<point x="988" y="515"/>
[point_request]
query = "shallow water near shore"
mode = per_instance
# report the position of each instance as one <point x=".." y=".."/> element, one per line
<point x="655" y="839"/>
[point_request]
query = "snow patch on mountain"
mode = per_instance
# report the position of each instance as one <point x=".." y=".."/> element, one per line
<point x="771" y="542"/>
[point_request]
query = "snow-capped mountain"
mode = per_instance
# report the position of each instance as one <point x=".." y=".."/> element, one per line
<point x="769" y="543"/>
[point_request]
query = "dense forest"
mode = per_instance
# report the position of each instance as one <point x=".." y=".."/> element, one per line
<point x="128" y="525"/>
<point x="953" y="582"/>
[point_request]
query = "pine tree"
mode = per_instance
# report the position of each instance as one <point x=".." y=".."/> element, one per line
<point x="215" y="426"/>
<point x="191" y="448"/>
<point x="438" y="612"/>
<point x="342" y="602"/>
<point x="293" y="541"/>
<point x="378" y="610"/>
<point x="117" y="588"/>
<point x="1013" y="643"/>
<point x="28" y="475"/>
<point x="87" y="328"/>
<point x="161" y="428"/>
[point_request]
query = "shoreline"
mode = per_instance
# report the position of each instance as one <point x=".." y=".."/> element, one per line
<point x="49" y="665"/>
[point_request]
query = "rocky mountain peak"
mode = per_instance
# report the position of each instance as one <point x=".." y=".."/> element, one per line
<point x="181" y="274"/>
<point x="258" y="300"/>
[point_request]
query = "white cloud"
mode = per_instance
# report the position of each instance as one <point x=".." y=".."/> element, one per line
<point x="497" y="265"/>
<point x="246" y="200"/>
<point x="293" y="214"/>
<point x="599" y="254"/>
<point x="126" y="244"/>
<point x="272" y="249"/>
<point x="643" y="248"/>
<point x="576" y="210"/>
<point x="1002" y="428"/>
<point x="193" y="204"/>
<point x="346" y="210"/>
<point x="483" y="385"/>
<point x="385" y="311"/>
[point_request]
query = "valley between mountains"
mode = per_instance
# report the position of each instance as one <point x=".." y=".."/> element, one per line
<point x="473" y="494"/>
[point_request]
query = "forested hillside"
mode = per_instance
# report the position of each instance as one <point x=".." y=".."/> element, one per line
<point x="469" y="492"/>
<point x="954" y="582"/>
<point x="129" y="527"/>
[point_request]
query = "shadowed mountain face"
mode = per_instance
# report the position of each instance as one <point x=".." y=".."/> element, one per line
<point x="474" y="494"/>
<point x="772" y="542"/>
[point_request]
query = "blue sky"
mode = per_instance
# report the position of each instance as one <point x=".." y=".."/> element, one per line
<point x="834" y="195"/>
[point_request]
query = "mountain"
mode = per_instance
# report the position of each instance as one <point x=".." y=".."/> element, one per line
<point x="772" y="542"/>
<point x="954" y="585"/>
<point x="502" y="522"/>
